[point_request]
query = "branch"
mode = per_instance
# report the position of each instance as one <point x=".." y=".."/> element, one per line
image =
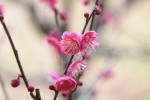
<point x="17" y="58"/>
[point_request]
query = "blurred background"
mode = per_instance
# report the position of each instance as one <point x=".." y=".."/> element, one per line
<point x="124" y="38"/>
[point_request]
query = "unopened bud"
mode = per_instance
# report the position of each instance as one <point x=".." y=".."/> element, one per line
<point x="15" y="82"/>
<point x="86" y="15"/>
<point x="31" y="88"/>
<point x="1" y="17"/>
<point x="80" y="83"/>
<point x="86" y="2"/>
<point x="63" y="16"/>
<point x="97" y="12"/>
<point x="51" y="87"/>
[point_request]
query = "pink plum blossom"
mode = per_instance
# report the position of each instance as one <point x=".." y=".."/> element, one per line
<point x="50" y="3"/>
<point x="88" y="42"/>
<point x="65" y="85"/>
<point x="70" y="43"/>
<point x="76" y="68"/>
<point x="53" y="41"/>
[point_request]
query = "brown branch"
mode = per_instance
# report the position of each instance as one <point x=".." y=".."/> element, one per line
<point x="17" y="58"/>
<point x="93" y="17"/>
<point x="56" y="19"/>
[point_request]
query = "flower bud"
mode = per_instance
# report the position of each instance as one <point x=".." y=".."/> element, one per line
<point x="63" y="16"/>
<point x="86" y="2"/>
<point x="97" y="12"/>
<point x="80" y="83"/>
<point x="1" y="17"/>
<point x="51" y="87"/>
<point x="15" y="82"/>
<point x="31" y="88"/>
<point x="86" y="15"/>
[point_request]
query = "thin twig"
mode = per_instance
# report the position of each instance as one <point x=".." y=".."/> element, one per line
<point x="71" y="58"/>
<point x="93" y="17"/>
<point x="56" y="19"/>
<point x="87" y="21"/>
<point x="56" y="94"/>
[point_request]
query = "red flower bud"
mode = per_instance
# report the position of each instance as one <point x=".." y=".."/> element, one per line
<point x="51" y="87"/>
<point x="15" y="82"/>
<point x="63" y="16"/>
<point x="80" y="83"/>
<point x="86" y="15"/>
<point x="31" y="88"/>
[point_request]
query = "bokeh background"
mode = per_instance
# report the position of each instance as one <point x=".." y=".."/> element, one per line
<point x="124" y="37"/>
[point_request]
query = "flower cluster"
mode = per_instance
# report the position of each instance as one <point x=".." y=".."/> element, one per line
<point x="72" y="43"/>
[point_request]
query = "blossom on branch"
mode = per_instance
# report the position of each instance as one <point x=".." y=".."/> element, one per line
<point x="70" y="43"/>
<point x="88" y="42"/>
<point x="65" y="85"/>
<point x="76" y="68"/>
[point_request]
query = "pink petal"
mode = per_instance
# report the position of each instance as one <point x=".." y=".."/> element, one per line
<point x="70" y="43"/>
<point x="53" y="41"/>
<point x="76" y="67"/>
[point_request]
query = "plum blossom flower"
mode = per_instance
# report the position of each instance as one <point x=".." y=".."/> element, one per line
<point x="70" y="43"/>
<point x="76" y="68"/>
<point x="88" y="42"/>
<point x="50" y="3"/>
<point x="53" y="41"/>
<point x="65" y="85"/>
